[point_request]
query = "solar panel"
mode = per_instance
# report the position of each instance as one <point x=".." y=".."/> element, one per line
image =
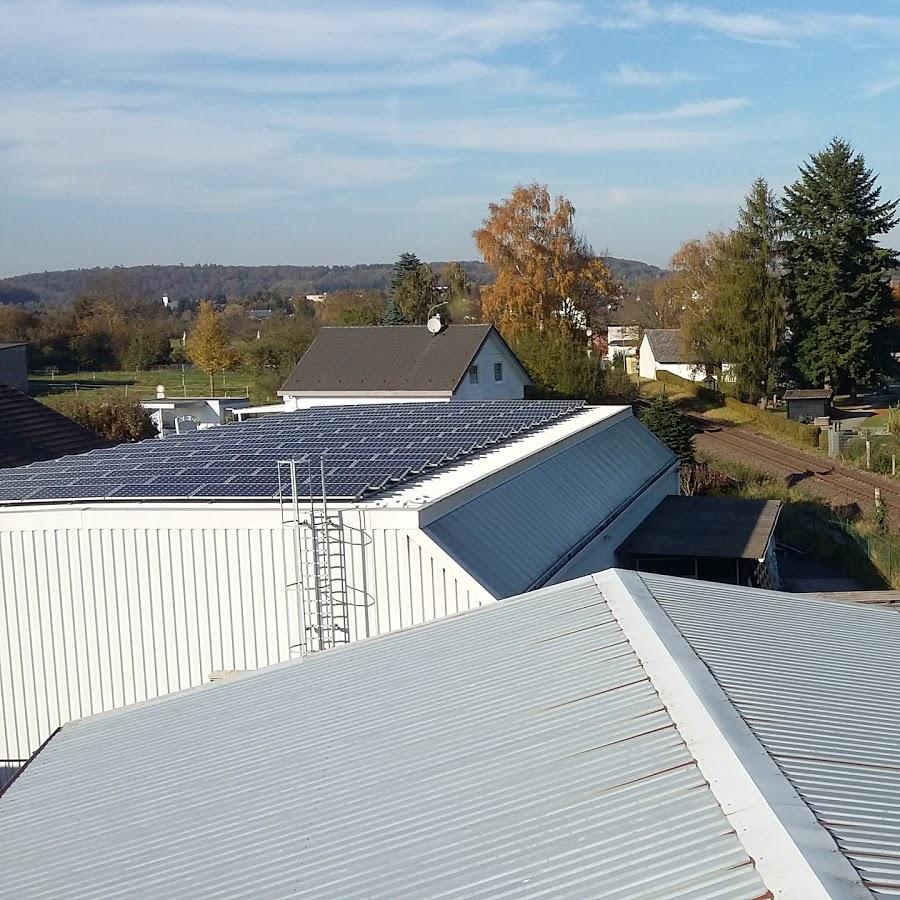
<point x="366" y="448"/>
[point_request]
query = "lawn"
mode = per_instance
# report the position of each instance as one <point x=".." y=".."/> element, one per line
<point x="188" y="383"/>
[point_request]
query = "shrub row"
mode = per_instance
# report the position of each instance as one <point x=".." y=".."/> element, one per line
<point x="776" y="424"/>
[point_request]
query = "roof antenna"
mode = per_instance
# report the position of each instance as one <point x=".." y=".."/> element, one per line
<point x="435" y="323"/>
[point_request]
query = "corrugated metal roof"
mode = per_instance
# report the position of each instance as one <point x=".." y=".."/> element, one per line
<point x="518" y="750"/>
<point x="388" y="358"/>
<point x="511" y="536"/>
<point x="705" y="527"/>
<point x="667" y="345"/>
<point x="818" y="684"/>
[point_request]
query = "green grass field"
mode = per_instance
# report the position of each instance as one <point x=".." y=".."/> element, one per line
<point x="142" y="385"/>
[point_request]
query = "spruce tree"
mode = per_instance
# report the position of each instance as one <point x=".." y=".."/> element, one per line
<point x="407" y="263"/>
<point x="392" y="313"/>
<point x="665" y="420"/>
<point x="839" y="300"/>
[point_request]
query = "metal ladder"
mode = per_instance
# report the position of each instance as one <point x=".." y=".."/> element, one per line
<point x="319" y="552"/>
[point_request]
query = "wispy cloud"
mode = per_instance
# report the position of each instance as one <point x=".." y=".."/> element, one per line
<point x="770" y="27"/>
<point x="638" y="76"/>
<point x="889" y="81"/>
<point x="698" y="109"/>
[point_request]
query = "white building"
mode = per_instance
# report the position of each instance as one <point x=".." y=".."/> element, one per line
<point x="405" y="364"/>
<point x="176" y="415"/>
<point x="663" y="350"/>
<point x="623" y="340"/>
<point x="136" y="571"/>
<point x="618" y="736"/>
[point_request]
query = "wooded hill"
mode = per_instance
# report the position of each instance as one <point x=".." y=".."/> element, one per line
<point x="231" y="282"/>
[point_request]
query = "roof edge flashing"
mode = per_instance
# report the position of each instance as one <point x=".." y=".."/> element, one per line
<point x="794" y="855"/>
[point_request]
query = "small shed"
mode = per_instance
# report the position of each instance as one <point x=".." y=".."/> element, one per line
<point x="808" y="404"/>
<point x="711" y="538"/>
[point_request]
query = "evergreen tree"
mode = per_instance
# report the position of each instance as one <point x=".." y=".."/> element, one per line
<point x="415" y="294"/>
<point x="407" y="264"/>
<point x="841" y="311"/>
<point x="665" y="420"/>
<point x="392" y="314"/>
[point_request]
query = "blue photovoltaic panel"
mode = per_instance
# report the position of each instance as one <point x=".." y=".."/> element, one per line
<point x="367" y="448"/>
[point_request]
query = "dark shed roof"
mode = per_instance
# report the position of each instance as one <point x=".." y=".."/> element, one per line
<point x="705" y="527"/>
<point x="667" y="345"/>
<point x="30" y="431"/>
<point x="811" y="394"/>
<point x="388" y="358"/>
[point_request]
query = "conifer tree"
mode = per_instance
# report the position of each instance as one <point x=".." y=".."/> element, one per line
<point x="839" y="300"/>
<point x="407" y="264"/>
<point x="665" y="420"/>
<point x="392" y="313"/>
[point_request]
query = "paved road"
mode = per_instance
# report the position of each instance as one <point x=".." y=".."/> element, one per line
<point x="818" y="474"/>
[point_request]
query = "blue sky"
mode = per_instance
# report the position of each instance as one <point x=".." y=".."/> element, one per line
<point x="308" y="133"/>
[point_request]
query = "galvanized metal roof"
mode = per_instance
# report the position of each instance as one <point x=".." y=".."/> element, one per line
<point x="517" y="750"/>
<point x="510" y="537"/>
<point x="818" y="684"/>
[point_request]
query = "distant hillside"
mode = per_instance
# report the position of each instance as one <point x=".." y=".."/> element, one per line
<point x="230" y="282"/>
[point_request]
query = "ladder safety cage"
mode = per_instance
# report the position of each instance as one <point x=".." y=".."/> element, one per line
<point x="320" y="540"/>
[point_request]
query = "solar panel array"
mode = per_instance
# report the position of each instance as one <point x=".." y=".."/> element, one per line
<point x="366" y="449"/>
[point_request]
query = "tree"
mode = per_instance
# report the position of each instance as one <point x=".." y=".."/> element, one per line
<point x="207" y="345"/>
<point x="415" y="294"/>
<point x="148" y="346"/>
<point x="407" y="264"/>
<point x="546" y="275"/>
<point x="114" y="418"/>
<point x="665" y="420"/>
<point x="737" y="312"/>
<point x="558" y="366"/>
<point x="841" y="313"/>
<point x="392" y="314"/>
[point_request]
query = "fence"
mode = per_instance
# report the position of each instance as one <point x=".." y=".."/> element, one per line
<point x="872" y="559"/>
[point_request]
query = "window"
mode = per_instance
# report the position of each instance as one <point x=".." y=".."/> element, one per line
<point x="473" y="374"/>
<point x="498" y="371"/>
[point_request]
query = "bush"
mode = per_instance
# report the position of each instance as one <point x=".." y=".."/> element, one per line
<point x="823" y="440"/>
<point x="115" y="419"/>
<point x="776" y="424"/>
<point x="617" y="386"/>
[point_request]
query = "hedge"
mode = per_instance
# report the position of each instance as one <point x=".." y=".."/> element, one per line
<point x="769" y="421"/>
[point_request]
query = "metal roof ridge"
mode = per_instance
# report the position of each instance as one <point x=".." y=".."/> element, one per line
<point x="794" y="855"/>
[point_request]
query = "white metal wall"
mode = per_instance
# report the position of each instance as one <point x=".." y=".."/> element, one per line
<point x="104" y="614"/>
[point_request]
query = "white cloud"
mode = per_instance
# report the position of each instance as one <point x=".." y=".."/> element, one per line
<point x="638" y="76"/>
<point x="307" y="32"/>
<point x="772" y="27"/>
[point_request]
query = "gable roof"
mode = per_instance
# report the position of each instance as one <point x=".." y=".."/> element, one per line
<point x="667" y="345"/>
<point x="30" y="431"/>
<point x="809" y="394"/>
<point x="379" y="358"/>
<point x="619" y="735"/>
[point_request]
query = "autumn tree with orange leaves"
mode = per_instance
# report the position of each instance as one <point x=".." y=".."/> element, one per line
<point x="546" y="275"/>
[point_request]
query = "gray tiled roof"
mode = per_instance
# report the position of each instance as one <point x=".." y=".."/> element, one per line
<point x="667" y="345"/>
<point x="809" y="394"/>
<point x="388" y="358"/>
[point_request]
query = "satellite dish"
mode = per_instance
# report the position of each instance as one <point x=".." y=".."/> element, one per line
<point x="435" y="324"/>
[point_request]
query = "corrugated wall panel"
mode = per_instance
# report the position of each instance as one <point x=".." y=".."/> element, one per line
<point x="97" y="618"/>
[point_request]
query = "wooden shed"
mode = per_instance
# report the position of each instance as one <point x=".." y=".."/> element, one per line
<point x="808" y="404"/>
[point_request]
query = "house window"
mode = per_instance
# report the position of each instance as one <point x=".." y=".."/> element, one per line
<point x="473" y="374"/>
<point x="498" y="371"/>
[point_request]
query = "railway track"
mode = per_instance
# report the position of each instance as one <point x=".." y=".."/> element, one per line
<point x="758" y="451"/>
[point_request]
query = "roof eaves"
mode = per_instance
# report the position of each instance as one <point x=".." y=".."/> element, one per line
<point x="794" y="855"/>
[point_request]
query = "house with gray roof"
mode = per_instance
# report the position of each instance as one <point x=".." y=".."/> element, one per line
<point x="620" y="735"/>
<point x="403" y="364"/>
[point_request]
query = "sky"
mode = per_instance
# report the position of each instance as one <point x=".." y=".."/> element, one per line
<point x="337" y="133"/>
